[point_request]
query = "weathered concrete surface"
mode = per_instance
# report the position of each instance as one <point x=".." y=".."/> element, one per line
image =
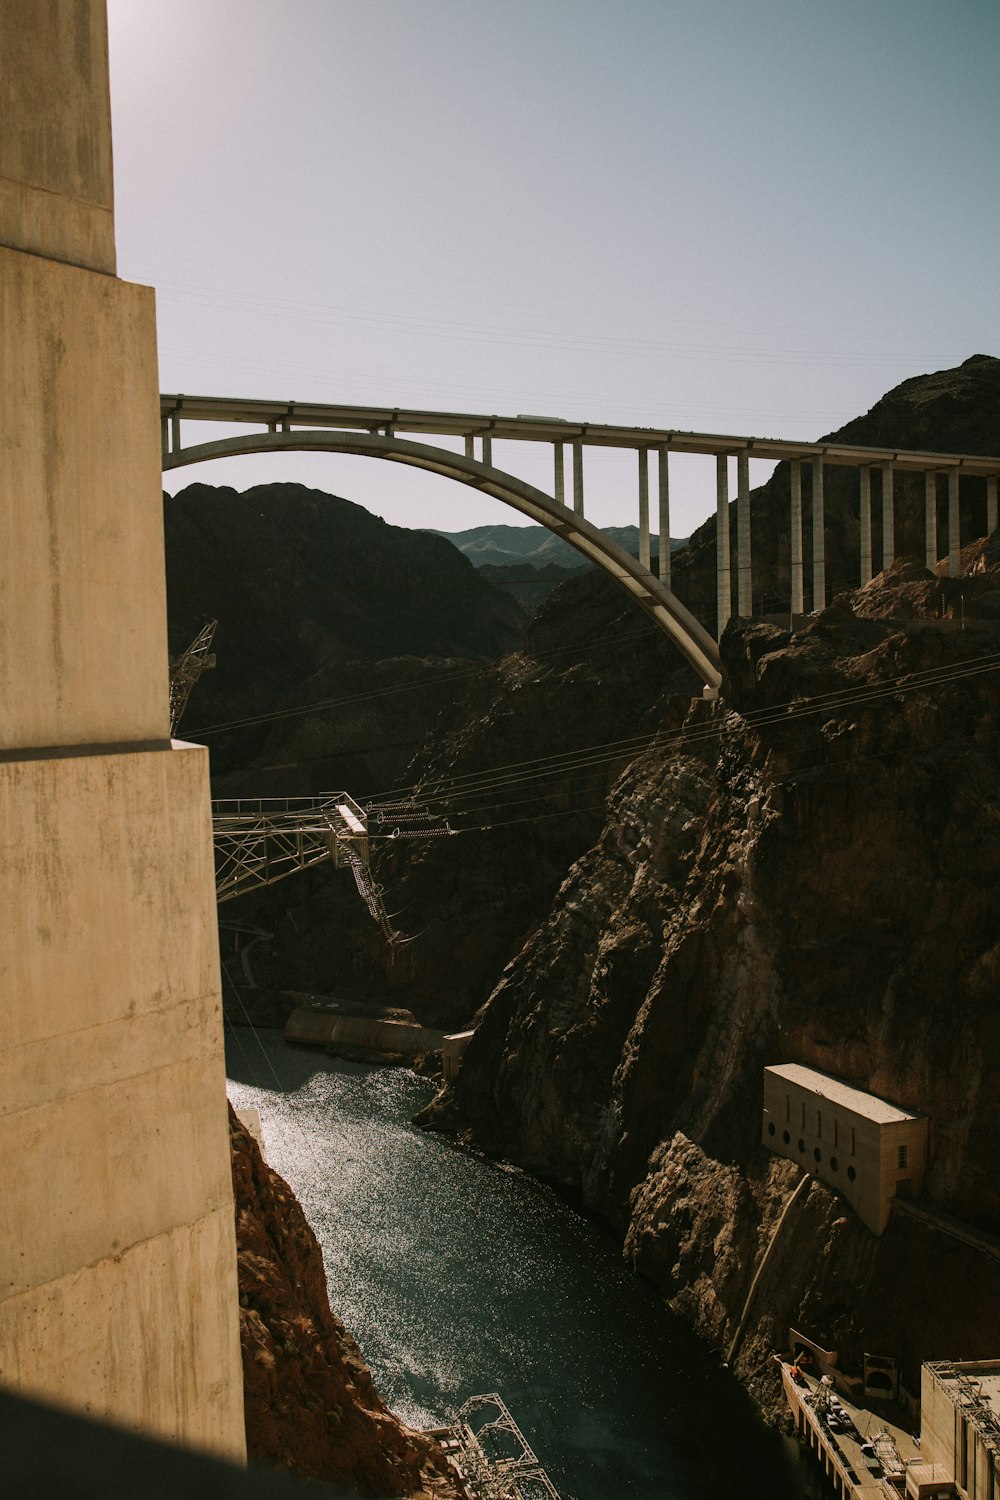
<point x="117" y="1244"/>
<point x="80" y="525"/>
<point x="117" y="1254"/>
<point x="56" y="189"/>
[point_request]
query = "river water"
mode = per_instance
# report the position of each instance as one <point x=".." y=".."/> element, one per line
<point x="459" y="1277"/>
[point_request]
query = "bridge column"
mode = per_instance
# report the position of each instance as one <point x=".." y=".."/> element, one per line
<point x="470" y="449"/>
<point x="865" y="523"/>
<point x="644" y="507"/>
<point x="888" y="519"/>
<point x="724" y="589"/>
<point x="954" y="525"/>
<point x="797" y="601"/>
<point x="559" y="483"/>
<point x="175" y="433"/>
<point x="487" y="443"/>
<point x="991" y="505"/>
<point x="164" y="436"/>
<point x="663" y="477"/>
<point x="819" y="536"/>
<point x="930" y="519"/>
<point x="744" y="571"/>
<point x="578" y="477"/>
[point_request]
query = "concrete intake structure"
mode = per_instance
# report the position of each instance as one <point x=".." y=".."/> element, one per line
<point x="118" y="1287"/>
<point x="865" y="1148"/>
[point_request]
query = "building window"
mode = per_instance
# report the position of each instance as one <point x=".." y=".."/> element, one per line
<point x="786" y="1138"/>
<point x="851" y="1174"/>
<point x="834" y="1164"/>
<point x="770" y="1127"/>
<point x="901" y="1157"/>
<point x="803" y="1114"/>
<point x="819" y="1124"/>
<point x="854" y="1151"/>
<point x="818" y="1154"/>
<point x="802" y="1145"/>
<point x="836" y="1132"/>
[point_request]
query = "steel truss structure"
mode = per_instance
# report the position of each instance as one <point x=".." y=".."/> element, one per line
<point x="494" y="1457"/>
<point x="186" y="669"/>
<point x="260" y="840"/>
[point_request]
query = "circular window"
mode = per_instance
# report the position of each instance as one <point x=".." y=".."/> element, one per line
<point x="770" y="1128"/>
<point x="802" y="1145"/>
<point x="851" y="1174"/>
<point x="786" y="1137"/>
<point x="817" y="1154"/>
<point x="834" y="1164"/>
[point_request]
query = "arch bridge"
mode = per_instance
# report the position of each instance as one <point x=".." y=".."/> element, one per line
<point x="378" y="432"/>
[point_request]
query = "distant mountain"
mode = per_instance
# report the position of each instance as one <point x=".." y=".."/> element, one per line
<point x="506" y="546"/>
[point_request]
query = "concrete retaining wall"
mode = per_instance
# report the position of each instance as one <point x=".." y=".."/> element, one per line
<point x="327" y="1029"/>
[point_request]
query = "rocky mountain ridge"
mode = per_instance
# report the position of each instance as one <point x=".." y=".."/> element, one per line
<point x="536" y="546"/>
<point x="303" y="583"/>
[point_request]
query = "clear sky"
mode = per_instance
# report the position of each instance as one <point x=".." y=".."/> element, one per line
<point x="730" y="215"/>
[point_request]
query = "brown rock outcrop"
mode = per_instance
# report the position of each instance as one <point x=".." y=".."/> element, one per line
<point x="310" y="1403"/>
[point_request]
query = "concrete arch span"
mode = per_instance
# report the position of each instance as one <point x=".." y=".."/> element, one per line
<point x="665" y="609"/>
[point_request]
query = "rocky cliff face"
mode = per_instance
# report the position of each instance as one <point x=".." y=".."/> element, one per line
<point x="302" y="582"/>
<point x="310" y="1403"/>
<point x="779" y="886"/>
<point x="508" y="763"/>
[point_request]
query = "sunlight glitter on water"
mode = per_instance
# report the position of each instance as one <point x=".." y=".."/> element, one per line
<point x="457" y="1278"/>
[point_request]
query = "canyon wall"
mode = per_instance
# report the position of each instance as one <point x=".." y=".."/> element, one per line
<point x="778" y="886"/>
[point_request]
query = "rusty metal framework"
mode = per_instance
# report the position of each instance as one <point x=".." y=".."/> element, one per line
<point x="187" y="668"/>
<point x="260" y="840"/>
<point x="494" y="1458"/>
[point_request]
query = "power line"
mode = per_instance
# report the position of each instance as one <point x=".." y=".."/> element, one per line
<point x="825" y="768"/>
<point x="446" y="678"/>
<point x="519" y="773"/>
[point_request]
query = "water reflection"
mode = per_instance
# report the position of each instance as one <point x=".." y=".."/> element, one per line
<point x="457" y="1277"/>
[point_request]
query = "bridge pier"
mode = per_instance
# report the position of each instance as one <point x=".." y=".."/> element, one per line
<point x="724" y="589"/>
<point x="559" y="473"/>
<point x="578" y="477"/>
<point x="865" y="522"/>
<point x="954" y="525"/>
<point x="819" y="537"/>
<point x="795" y="570"/>
<point x="744" y="570"/>
<point x="888" y="519"/>
<point x="644" y="507"/>
<point x="663" y="486"/>
<point x="930" y="519"/>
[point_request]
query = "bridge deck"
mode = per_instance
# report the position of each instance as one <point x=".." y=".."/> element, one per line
<point x="392" y="419"/>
